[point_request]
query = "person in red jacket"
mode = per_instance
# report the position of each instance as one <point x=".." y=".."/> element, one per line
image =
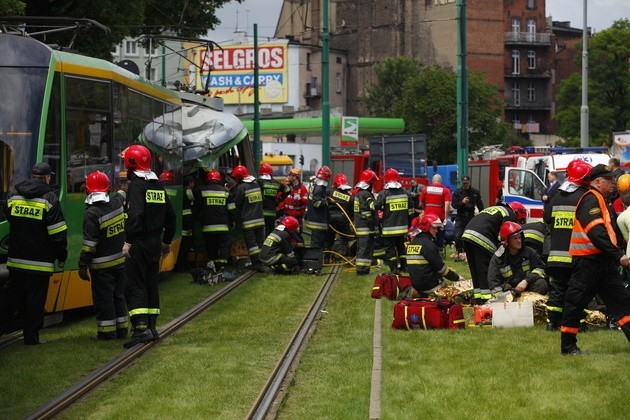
<point x="436" y="199"/>
<point x="296" y="201"/>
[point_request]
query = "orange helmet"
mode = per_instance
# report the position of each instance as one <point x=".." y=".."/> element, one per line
<point x="623" y="183"/>
<point x="324" y="173"/>
<point x="290" y="223"/>
<point x="578" y="172"/>
<point x="265" y="169"/>
<point x="136" y="158"/>
<point x="213" y="176"/>
<point x="368" y="176"/>
<point x="240" y="172"/>
<point x="429" y="220"/>
<point x="520" y="210"/>
<point x="508" y="229"/>
<point x="166" y="176"/>
<point x="391" y="175"/>
<point x="97" y="182"/>
<point x="340" y="179"/>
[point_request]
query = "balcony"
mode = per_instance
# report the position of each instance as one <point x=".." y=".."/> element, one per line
<point x="540" y="72"/>
<point x="525" y="105"/>
<point x="526" y="38"/>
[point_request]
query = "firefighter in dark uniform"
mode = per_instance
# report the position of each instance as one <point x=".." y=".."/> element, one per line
<point x="37" y="237"/>
<point x="534" y="236"/>
<point x="277" y="250"/>
<point x="248" y="201"/>
<point x="596" y="252"/>
<point x="365" y="221"/>
<point x="481" y="240"/>
<point x="514" y="266"/>
<point x="273" y="192"/>
<point x="395" y="203"/>
<point x="149" y="215"/>
<point x="103" y="239"/>
<point x="465" y="200"/>
<point x="188" y="222"/>
<point x="424" y="260"/>
<point x="316" y="217"/>
<point x="215" y="204"/>
<point x="558" y="216"/>
<point x="340" y="212"/>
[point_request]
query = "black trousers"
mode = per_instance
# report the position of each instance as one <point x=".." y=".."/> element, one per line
<point x="141" y="288"/>
<point x="254" y="239"/>
<point x="394" y="251"/>
<point x="108" y="294"/>
<point x="478" y="262"/>
<point x="558" y="284"/>
<point x="460" y="226"/>
<point x="217" y="248"/>
<point x="25" y="292"/>
<point x="365" y="251"/>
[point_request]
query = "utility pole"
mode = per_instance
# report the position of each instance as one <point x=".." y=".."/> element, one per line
<point x="584" y="108"/>
<point x="257" y="145"/>
<point x="325" y="78"/>
<point x="462" y="91"/>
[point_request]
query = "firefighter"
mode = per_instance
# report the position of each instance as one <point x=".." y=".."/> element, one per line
<point x="596" y="259"/>
<point x="316" y="218"/>
<point x="395" y="203"/>
<point x="188" y="222"/>
<point x="277" y="250"/>
<point x="559" y="217"/>
<point x="37" y="237"/>
<point x="340" y="212"/>
<point x="215" y="205"/>
<point x="515" y="266"/>
<point x="436" y="199"/>
<point x="103" y="239"/>
<point x="149" y="230"/>
<point x="481" y="240"/>
<point x="424" y="260"/>
<point x="295" y="202"/>
<point x="534" y="237"/>
<point x="248" y="204"/>
<point x="273" y="191"/>
<point x="465" y="200"/>
<point x="365" y="221"/>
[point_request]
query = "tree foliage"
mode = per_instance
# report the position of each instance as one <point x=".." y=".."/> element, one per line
<point x="12" y="7"/>
<point x="426" y="99"/>
<point x="608" y="87"/>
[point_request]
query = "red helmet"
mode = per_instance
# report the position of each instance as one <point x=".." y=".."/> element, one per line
<point x="429" y="220"/>
<point x="240" y="172"/>
<point x="213" y="176"/>
<point x="340" y="179"/>
<point x="368" y="176"/>
<point x="97" y="182"/>
<point x="415" y="222"/>
<point x="508" y="229"/>
<point x="391" y="175"/>
<point x="578" y="172"/>
<point x="167" y="176"/>
<point x="290" y="223"/>
<point x="136" y="158"/>
<point x="324" y="173"/>
<point x="265" y="169"/>
<point x="520" y="210"/>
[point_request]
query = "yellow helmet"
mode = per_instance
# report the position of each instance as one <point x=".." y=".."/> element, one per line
<point x="295" y="171"/>
<point x="623" y="183"/>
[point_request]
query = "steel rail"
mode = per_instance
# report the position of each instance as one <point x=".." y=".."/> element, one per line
<point x="269" y="398"/>
<point x="10" y="338"/>
<point x="107" y="371"/>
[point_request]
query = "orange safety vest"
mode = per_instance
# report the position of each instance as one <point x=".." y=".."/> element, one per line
<point x="581" y="245"/>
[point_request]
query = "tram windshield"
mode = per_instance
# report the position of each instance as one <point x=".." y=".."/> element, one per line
<point x="20" y="111"/>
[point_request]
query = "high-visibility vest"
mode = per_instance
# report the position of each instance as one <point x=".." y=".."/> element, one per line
<point x="581" y="245"/>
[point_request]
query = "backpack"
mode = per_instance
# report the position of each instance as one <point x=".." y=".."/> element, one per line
<point x="428" y="314"/>
<point x="389" y="285"/>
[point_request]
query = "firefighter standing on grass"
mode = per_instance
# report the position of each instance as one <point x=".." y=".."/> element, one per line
<point x="365" y="221"/>
<point x="188" y="222"/>
<point x="340" y="212"/>
<point x="558" y="216"/>
<point x="316" y="218"/>
<point x="273" y="191"/>
<point x="149" y="229"/>
<point x="103" y="239"/>
<point x="597" y="255"/>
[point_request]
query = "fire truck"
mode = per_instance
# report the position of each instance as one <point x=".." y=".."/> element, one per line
<point x="405" y="153"/>
<point x="522" y="176"/>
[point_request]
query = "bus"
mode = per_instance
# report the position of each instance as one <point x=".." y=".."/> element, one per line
<point x="78" y="113"/>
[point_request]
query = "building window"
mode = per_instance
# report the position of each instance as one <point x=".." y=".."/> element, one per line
<point x="531" y="92"/>
<point x="131" y="48"/>
<point x="308" y="61"/>
<point x="516" y="25"/>
<point x="338" y="83"/>
<point x="531" y="4"/>
<point x="531" y="59"/>
<point x="531" y="26"/>
<point x="516" y="62"/>
<point x="516" y="94"/>
<point x="150" y="51"/>
<point x="153" y="76"/>
<point x="115" y="50"/>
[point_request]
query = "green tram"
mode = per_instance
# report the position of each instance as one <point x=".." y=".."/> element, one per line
<point x="78" y="113"/>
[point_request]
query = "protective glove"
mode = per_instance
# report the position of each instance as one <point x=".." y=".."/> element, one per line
<point x="125" y="249"/>
<point x="83" y="273"/>
<point x="166" y="248"/>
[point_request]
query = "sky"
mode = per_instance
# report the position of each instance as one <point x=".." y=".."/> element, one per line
<point x="600" y="15"/>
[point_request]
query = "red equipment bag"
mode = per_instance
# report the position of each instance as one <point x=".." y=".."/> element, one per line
<point x="389" y="285"/>
<point x="428" y="314"/>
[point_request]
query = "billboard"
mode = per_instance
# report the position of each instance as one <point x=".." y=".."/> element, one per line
<point x="229" y="73"/>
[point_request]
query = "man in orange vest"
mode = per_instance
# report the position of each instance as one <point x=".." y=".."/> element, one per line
<point x="596" y="258"/>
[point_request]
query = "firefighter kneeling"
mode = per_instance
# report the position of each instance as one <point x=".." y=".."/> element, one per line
<point x="277" y="250"/>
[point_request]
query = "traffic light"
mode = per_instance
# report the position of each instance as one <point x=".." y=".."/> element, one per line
<point x="301" y="159"/>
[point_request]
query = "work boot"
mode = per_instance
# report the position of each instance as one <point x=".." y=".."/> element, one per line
<point x="141" y="334"/>
<point x="554" y="320"/>
<point x="152" y="327"/>
<point x="568" y="345"/>
<point x="122" y="332"/>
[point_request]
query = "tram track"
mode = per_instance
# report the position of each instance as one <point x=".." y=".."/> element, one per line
<point x="107" y="371"/>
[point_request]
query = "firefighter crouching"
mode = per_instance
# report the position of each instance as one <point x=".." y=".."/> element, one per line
<point x="340" y="213"/>
<point x="277" y="250"/>
<point x="365" y="221"/>
<point x="103" y="239"/>
<point x="316" y="217"/>
<point x="596" y="258"/>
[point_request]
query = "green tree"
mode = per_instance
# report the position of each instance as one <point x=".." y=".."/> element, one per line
<point x="608" y="87"/>
<point x="12" y="7"/>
